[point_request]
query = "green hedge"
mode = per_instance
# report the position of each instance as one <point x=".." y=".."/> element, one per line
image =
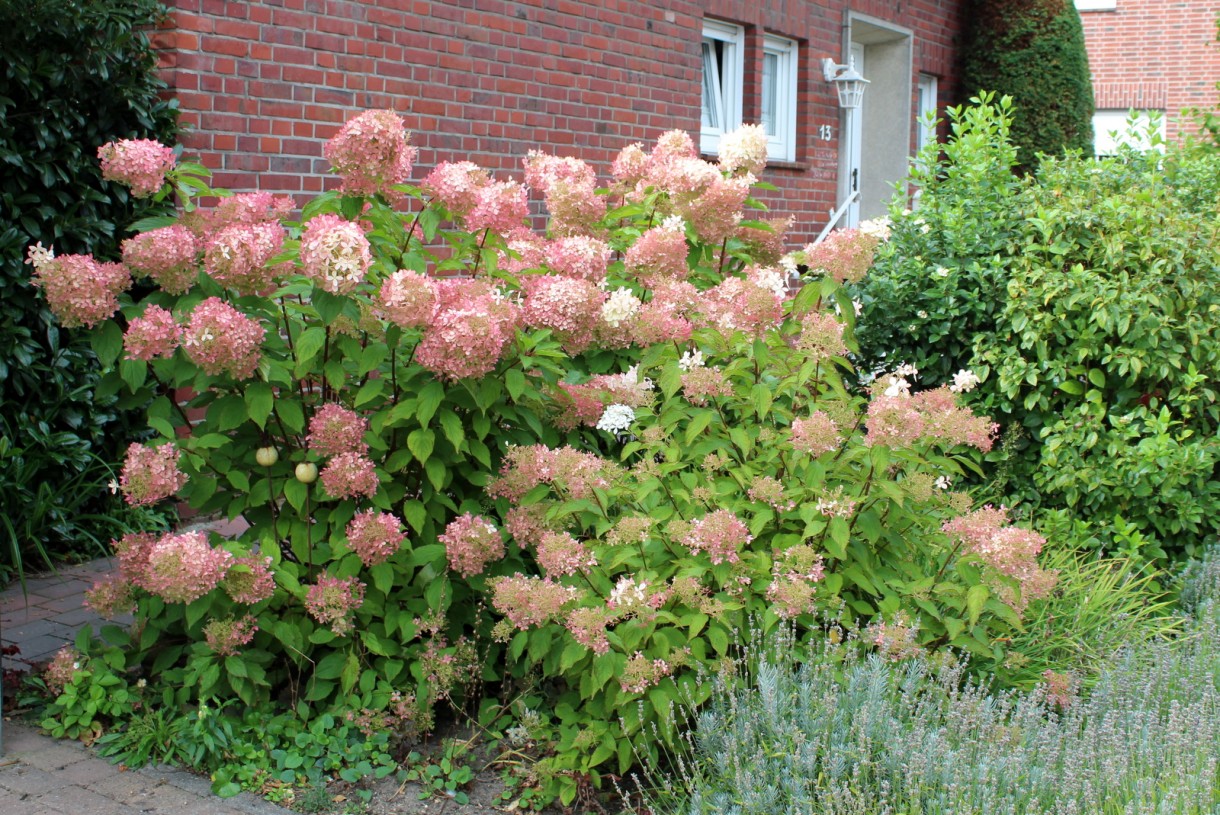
<point x="74" y="75"/>
<point x="1033" y="51"/>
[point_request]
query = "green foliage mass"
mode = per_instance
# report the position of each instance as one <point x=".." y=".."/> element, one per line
<point x="74" y="76"/>
<point x="1033" y="51"/>
<point x="1084" y="296"/>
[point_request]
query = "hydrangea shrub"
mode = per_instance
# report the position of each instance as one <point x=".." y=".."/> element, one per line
<point x="471" y="452"/>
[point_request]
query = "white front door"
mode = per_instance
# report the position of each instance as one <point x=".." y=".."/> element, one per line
<point x="854" y="127"/>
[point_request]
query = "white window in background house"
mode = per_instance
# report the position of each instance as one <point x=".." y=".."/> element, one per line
<point x="1133" y="128"/>
<point x="1096" y="5"/>
<point x="779" y="97"/>
<point x="723" y="79"/>
<point x="925" y="131"/>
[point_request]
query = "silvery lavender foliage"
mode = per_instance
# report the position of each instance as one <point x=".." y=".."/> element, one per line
<point x="860" y="735"/>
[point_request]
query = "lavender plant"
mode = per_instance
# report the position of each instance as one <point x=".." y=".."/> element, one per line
<point x="859" y="733"/>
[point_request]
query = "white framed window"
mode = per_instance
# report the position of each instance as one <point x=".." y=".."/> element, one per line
<point x="1141" y="129"/>
<point x="926" y="112"/>
<point x="1096" y="5"/>
<point x="778" y="113"/>
<point x="723" y="78"/>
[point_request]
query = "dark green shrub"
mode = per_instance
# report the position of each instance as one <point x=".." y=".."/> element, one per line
<point x="74" y="75"/>
<point x="1033" y="51"/>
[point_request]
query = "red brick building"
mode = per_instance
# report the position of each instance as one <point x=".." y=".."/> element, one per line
<point x="1150" y="55"/>
<point x="262" y="84"/>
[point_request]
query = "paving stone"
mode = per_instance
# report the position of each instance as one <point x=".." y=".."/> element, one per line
<point x="76" y="800"/>
<point x="40" y="649"/>
<point x="25" y="780"/>
<point x="19" y="738"/>
<point x="88" y="772"/>
<point x="54" y="756"/>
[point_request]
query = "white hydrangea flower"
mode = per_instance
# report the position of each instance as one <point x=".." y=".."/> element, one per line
<point x="876" y="227"/>
<point x="616" y="419"/>
<point x="620" y="307"/>
<point x="627" y="592"/>
<point x="964" y="381"/>
<point x="906" y="369"/>
<point x="691" y="360"/>
<point x="745" y="147"/>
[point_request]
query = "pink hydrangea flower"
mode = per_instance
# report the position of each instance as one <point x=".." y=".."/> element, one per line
<point x="719" y="534"/>
<point x="588" y="627"/>
<point x="237" y="256"/>
<point x="371" y="153"/>
<point x="220" y="339"/>
<point x="168" y="255"/>
<point x="815" y="435"/>
<point x="350" y="475"/>
<point x="79" y="290"/>
<point x="335" y="254"/>
<point x="526" y="251"/>
<point x="374" y="536"/>
<point x="227" y="637"/>
<point x="408" y="299"/>
<point x="331" y="601"/>
<point x="500" y="206"/>
<point x="659" y="253"/>
<point x="569" y="306"/>
<point x="579" y="256"/>
<point x="456" y="185"/>
<point x="334" y="429"/>
<point x="1010" y="550"/>
<point x="529" y="601"/>
<point x="471" y="542"/>
<point x="139" y="163"/>
<point x="716" y="212"/>
<point x="132" y="553"/>
<point x="560" y="554"/>
<point x="701" y="384"/>
<point x="182" y="568"/>
<point x="152" y="335"/>
<point x="821" y="336"/>
<point x="111" y="597"/>
<point x="845" y="255"/>
<point x="742" y="305"/>
<point x="60" y="670"/>
<point x="250" y="580"/>
<point x="571" y="471"/>
<point x="630" y="164"/>
<point x="151" y="474"/>
<point x="470" y="332"/>
<point x="569" y="185"/>
<point x="243" y="208"/>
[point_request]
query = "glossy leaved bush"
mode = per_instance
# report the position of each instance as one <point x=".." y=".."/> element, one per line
<point x="484" y="463"/>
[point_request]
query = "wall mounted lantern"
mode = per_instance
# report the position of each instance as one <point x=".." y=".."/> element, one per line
<point x="847" y="81"/>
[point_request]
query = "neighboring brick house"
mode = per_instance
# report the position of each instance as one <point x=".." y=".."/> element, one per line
<point x="263" y="84"/>
<point x="1150" y="56"/>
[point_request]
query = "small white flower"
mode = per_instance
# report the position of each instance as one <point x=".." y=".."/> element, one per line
<point x="113" y="486"/>
<point x="906" y="369"/>
<point x="941" y="271"/>
<point x="691" y="360"/>
<point x="627" y="592"/>
<point x="964" y="381"/>
<point x="943" y="482"/>
<point x="858" y="306"/>
<point x="632" y="377"/>
<point x="923" y="315"/>
<point x="673" y="223"/>
<point x="897" y="386"/>
<point x="616" y="419"/>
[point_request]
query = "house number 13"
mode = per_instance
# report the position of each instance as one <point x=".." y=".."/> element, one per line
<point x="826" y="132"/>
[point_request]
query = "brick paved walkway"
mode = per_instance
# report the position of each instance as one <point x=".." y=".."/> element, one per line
<point x="42" y="776"/>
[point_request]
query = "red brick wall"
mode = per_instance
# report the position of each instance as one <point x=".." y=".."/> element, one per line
<point x="263" y="84"/>
<point x="1154" y="54"/>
